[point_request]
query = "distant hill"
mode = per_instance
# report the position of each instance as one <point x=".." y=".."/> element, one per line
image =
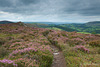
<point x="93" y="23"/>
<point x="89" y="27"/>
<point x="40" y="25"/>
<point x="50" y="26"/>
<point x="56" y="23"/>
<point x="5" y="22"/>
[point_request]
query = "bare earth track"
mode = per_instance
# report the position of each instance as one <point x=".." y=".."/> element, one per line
<point x="59" y="60"/>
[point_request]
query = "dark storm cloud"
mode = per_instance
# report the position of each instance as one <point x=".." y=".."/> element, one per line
<point x="29" y="7"/>
<point x="5" y="3"/>
<point x="19" y="6"/>
<point x="84" y="7"/>
<point x="27" y="2"/>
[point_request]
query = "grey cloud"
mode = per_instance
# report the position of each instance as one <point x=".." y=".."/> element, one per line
<point x="29" y="7"/>
<point x="84" y="7"/>
<point x="5" y="3"/>
<point x="27" y="2"/>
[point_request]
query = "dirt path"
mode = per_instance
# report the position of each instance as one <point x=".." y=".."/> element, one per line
<point x="59" y="60"/>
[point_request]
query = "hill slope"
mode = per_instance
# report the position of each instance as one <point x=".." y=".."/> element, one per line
<point x="95" y="23"/>
<point x="90" y="27"/>
<point x="22" y="46"/>
<point x="5" y="22"/>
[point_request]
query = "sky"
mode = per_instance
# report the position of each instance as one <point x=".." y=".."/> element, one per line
<point x="76" y="11"/>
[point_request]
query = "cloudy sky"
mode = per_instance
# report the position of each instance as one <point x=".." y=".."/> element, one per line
<point x="50" y="10"/>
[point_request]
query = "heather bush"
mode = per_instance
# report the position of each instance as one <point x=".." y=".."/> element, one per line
<point x="16" y="40"/>
<point x="45" y="60"/>
<point x="3" y="52"/>
<point x="25" y="62"/>
<point x="62" y="46"/>
<point x="95" y="43"/>
<point x="82" y="48"/>
<point x="10" y="38"/>
<point x="78" y="41"/>
<point x="53" y="42"/>
<point x="70" y="52"/>
<point x="73" y="61"/>
<point x="64" y="34"/>
<point x="15" y="44"/>
<point x="26" y="37"/>
<point x="70" y="42"/>
<point x="22" y="51"/>
<point x="7" y="63"/>
<point x="2" y="41"/>
<point x="45" y="33"/>
<point x="99" y="51"/>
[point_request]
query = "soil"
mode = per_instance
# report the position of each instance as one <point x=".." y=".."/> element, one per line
<point x="59" y="60"/>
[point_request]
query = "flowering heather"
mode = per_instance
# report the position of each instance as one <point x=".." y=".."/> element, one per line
<point x="45" y="48"/>
<point x="31" y="47"/>
<point x="15" y="44"/>
<point x="78" y="41"/>
<point x="6" y="61"/>
<point x="80" y="47"/>
<point x="22" y="51"/>
<point x="95" y="43"/>
<point x="25" y="62"/>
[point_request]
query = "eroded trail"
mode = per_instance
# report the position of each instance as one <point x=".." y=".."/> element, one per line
<point x="58" y="60"/>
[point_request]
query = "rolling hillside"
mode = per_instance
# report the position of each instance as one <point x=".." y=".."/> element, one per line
<point x="5" y="22"/>
<point x="90" y="27"/>
<point x="22" y="46"/>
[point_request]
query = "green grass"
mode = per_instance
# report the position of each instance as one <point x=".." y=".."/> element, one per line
<point x="2" y="35"/>
<point x="54" y="28"/>
<point x="77" y="58"/>
<point x="84" y="32"/>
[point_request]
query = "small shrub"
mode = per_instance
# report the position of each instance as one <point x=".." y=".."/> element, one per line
<point x="70" y="53"/>
<point x="16" y="40"/>
<point x="78" y="41"/>
<point x="73" y="61"/>
<point x="26" y="37"/>
<point x="10" y="38"/>
<point x="46" y="61"/>
<point x="2" y="41"/>
<point x="95" y="43"/>
<point x="99" y="51"/>
<point x="7" y="63"/>
<point x="53" y="42"/>
<point x="45" y="33"/>
<point x="82" y="48"/>
<point x="62" y="47"/>
<point x="25" y="62"/>
<point x="3" y="52"/>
